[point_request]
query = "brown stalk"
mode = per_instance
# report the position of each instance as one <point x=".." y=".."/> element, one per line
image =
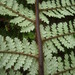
<point x="39" y="40"/>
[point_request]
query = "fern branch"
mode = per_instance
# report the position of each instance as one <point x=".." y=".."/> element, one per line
<point x="56" y="8"/>
<point x="64" y="71"/>
<point x="59" y="36"/>
<point x="39" y="40"/>
<point x="1" y="4"/>
<point x="19" y="53"/>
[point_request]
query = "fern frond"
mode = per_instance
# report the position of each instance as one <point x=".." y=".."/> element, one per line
<point x="20" y="11"/>
<point x="56" y="31"/>
<point x="22" y="16"/>
<point x="57" y="36"/>
<point x="66" y="67"/>
<point x="16" y="53"/>
<point x="58" y="8"/>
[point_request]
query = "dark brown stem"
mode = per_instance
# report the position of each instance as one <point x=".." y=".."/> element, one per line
<point x="19" y="53"/>
<point x="58" y="36"/>
<point x="10" y="9"/>
<point x="39" y="40"/>
<point x="56" y="8"/>
<point x="64" y="71"/>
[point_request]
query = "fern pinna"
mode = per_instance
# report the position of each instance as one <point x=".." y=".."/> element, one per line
<point x="51" y="51"/>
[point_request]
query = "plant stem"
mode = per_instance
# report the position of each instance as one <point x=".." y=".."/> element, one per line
<point x="39" y="40"/>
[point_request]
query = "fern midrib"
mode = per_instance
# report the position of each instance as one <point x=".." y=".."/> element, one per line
<point x="19" y="53"/>
<point x="60" y="72"/>
<point x="58" y="36"/>
<point x="39" y="40"/>
<point x="56" y="8"/>
<point x="17" y="13"/>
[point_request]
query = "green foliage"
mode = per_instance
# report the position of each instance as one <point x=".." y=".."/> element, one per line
<point x="19" y="13"/>
<point x="58" y="38"/>
<point x="14" y="53"/>
<point x="57" y="9"/>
